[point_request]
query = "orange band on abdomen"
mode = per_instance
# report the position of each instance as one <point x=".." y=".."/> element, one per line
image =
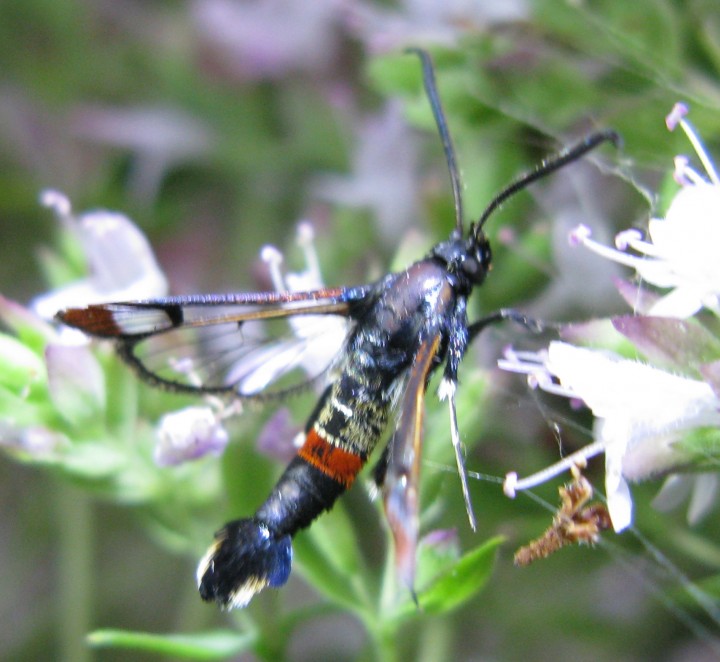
<point x="339" y="464"/>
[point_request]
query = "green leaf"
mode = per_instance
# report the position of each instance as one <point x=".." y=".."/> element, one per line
<point x="19" y="412"/>
<point x="93" y="460"/>
<point x="328" y="559"/>
<point x="32" y="331"/>
<point x="434" y="558"/>
<point x="394" y="74"/>
<point x="461" y="581"/>
<point x="702" y="445"/>
<point x="213" y="645"/>
<point x="20" y="368"/>
<point x="76" y="383"/>
<point x="335" y="537"/>
<point x="630" y="31"/>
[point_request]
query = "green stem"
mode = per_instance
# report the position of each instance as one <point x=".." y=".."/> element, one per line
<point x="386" y="641"/>
<point x="435" y="640"/>
<point x="381" y="629"/>
<point x="74" y="569"/>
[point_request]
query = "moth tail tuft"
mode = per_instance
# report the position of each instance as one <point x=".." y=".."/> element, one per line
<point x="245" y="557"/>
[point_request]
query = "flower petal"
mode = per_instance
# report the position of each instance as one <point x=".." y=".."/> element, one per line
<point x="76" y="382"/>
<point x="121" y="262"/>
<point x="704" y="495"/>
<point x="189" y="434"/>
<point x="665" y="340"/>
<point x="619" y="500"/>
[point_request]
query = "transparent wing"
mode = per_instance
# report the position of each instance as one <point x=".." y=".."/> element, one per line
<point x="249" y="358"/>
<point x="252" y="345"/>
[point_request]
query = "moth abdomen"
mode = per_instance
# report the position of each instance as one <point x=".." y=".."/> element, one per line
<point x="245" y="557"/>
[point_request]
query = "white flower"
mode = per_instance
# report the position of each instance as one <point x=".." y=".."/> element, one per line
<point x="159" y="139"/>
<point x="193" y="432"/>
<point x="384" y="27"/>
<point x="268" y="39"/>
<point x="31" y="442"/>
<point x="383" y="175"/>
<point x="188" y="434"/>
<point x="640" y="410"/>
<point x="321" y="335"/>
<point x="121" y="263"/>
<point x="682" y="252"/>
<point x="196" y="431"/>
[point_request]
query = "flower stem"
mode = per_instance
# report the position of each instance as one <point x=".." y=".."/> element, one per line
<point x="74" y="569"/>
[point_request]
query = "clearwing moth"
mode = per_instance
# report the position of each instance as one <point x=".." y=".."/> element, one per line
<point x="402" y="328"/>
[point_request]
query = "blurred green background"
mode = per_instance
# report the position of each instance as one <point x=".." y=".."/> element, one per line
<point x="218" y="125"/>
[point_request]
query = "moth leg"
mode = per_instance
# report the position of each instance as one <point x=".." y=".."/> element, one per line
<point x="461" y="334"/>
<point x="508" y="314"/>
<point x="458" y="342"/>
<point x="447" y="392"/>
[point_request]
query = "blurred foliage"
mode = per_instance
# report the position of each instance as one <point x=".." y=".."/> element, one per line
<point x="105" y="539"/>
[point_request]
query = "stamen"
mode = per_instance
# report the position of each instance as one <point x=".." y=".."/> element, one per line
<point x="694" y="177"/>
<point x="185" y="366"/>
<point x="580" y="236"/>
<point x="698" y="147"/>
<point x="543" y="379"/>
<point x="524" y="363"/>
<point x="224" y="409"/>
<point x="681" y="174"/>
<point x="56" y="201"/>
<point x="305" y="233"/>
<point x="633" y="238"/>
<point x="273" y="258"/>
<point x="626" y="238"/>
<point x="512" y="366"/>
<point x="60" y="205"/>
<point x="676" y="115"/>
<point x="533" y="364"/>
<point x="512" y="484"/>
<point x="306" y="242"/>
<point x="684" y="174"/>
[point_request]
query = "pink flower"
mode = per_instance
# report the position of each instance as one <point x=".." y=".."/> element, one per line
<point x="121" y="263"/>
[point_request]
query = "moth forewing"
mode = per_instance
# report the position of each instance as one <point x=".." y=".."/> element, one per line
<point x="402" y="478"/>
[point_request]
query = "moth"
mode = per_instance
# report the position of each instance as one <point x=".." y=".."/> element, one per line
<point x="401" y="329"/>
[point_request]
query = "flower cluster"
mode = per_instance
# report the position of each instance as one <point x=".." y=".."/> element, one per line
<point x="681" y="254"/>
<point x="57" y="410"/>
<point x="121" y="263"/>
<point x="58" y="362"/>
<point x="650" y="421"/>
<point x="641" y="411"/>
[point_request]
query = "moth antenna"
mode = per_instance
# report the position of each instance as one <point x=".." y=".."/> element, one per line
<point x="441" y="122"/>
<point x="549" y="166"/>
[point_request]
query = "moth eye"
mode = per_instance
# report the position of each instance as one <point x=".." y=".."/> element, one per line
<point x="470" y="266"/>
